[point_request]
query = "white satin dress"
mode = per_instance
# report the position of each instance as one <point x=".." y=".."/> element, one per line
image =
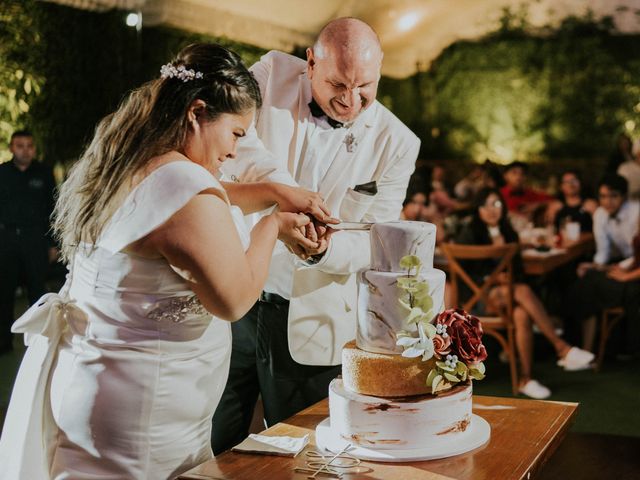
<point x="124" y="368"/>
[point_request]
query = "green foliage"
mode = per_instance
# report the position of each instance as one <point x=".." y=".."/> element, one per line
<point x="82" y="63"/>
<point x="415" y="296"/>
<point x="20" y="83"/>
<point x="523" y="93"/>
<point x="519" y="93"/>
<point x="410" y="261"/>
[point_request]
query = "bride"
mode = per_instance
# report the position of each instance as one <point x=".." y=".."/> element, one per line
<point x="126" y="365"/>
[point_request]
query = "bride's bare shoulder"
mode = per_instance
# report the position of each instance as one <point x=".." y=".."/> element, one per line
<point x="156" y="163"/>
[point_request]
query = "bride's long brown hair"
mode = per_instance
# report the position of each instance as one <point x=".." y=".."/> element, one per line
<point x="151" y="121"/>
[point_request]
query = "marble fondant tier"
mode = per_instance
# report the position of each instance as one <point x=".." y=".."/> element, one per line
<point x="384" y="375"/>
<point x="380" y="314"/>
<point x="391" y="241"/>
<point x="399" y="423"/>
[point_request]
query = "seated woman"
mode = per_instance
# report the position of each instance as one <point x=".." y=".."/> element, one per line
<point x="615" y="285"/>
<point x="572" y="205"/>
<point x="416" y="207"/>
<point x="489" y="225"/>
<point x="413" y="205"/>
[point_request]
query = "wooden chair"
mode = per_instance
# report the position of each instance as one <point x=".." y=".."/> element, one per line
<point x="610" y="317"/>
<point x="497" y="322"/>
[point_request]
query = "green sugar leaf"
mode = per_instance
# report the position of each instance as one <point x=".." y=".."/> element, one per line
<point x="410" y="261"/>
<point x="432" y="375"/>
<point x="434" y="384"/>
<point x="451" y="378"/>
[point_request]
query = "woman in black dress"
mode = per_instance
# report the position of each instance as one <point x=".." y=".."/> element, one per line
<point x="489" y="225"/>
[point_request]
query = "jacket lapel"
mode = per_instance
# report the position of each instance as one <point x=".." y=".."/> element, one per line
<point x="346" y="163"/>
<point x="302" y="122"/>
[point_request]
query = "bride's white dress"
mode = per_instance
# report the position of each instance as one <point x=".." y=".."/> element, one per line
<point x="124" y="367"/>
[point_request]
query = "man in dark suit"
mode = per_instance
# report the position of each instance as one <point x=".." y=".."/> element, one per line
<point x="26" y="247"/>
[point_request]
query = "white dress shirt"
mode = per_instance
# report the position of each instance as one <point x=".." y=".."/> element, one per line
<point x="321" y="144"/>
<point x="614" y="234"/>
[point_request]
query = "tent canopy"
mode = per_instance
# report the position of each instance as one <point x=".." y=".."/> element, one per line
<point x="412" y="32"/>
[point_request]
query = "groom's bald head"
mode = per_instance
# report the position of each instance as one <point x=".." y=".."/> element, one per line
<point x="348" y="37"/>
<point x="344" y="68"/>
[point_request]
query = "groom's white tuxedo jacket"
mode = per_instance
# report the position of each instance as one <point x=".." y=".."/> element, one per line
<point x="323" y="302"/>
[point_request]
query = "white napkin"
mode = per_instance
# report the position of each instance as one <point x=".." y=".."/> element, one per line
<point x="272" y="445"/>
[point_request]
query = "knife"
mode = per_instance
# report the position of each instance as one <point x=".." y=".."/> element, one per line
<point x="351" y="226"/>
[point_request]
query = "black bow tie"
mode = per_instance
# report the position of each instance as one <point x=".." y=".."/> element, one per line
<point x="317" y="112"/>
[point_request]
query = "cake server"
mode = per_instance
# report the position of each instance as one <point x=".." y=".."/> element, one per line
<point x="351" y="226"/>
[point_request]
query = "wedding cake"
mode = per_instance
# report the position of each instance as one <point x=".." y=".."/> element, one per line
<point x="406" y="379"/>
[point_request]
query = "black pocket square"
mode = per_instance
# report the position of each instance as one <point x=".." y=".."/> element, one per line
<point x="370" y="188"/>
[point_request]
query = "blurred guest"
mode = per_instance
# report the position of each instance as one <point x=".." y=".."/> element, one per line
<point x="519" y="198"/>
<point x="486" y="175"/>
<point x="572" y="205"/>
<point x="435" y="205"/>
<point x="27" y="248"/>
<point x="439" y="179"/>
<point x="621" y="154"/>
<point x="489" y="225"/>
<point x="616" y="286"/>
<point x="413" y="206"/>
<point x="470" y="184"/>
<point x="615" y="222"/>
<point x="417" y="207"/>
<point x="493" y="175"/>
<point x="630" y="170"/>
<point x="440" y="198"/>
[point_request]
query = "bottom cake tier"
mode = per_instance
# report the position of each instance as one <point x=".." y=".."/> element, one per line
<point x="399" y="423"/>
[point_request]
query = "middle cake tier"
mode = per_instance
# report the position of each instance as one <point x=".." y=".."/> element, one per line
<point x="381" y="315"/>
<point x="384" y="375"/>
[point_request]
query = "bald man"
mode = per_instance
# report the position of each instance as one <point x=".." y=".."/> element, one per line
<point x="320" y="127"/>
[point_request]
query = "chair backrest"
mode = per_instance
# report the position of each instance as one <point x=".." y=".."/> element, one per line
<point x="502" y="273"/>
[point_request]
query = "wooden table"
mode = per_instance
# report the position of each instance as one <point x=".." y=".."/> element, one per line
<point x="543" y="264"/>
<point x="524" y="434"/>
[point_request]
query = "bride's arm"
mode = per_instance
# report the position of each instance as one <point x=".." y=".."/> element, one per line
<point x="202" y="239"/>
<point x="255" y="197"/>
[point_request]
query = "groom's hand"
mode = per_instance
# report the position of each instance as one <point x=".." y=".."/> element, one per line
<point x="320" y="233"/>
<point x="292" y="228"/>
<point x="295" y="199"/>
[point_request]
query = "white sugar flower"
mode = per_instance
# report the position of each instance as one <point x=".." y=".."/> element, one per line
<point x="417" y="346"/>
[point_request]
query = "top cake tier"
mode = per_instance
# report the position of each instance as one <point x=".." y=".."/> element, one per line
<point x="391" y="241"/>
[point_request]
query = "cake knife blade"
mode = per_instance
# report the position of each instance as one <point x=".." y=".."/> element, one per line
<point x="351" y="226"/>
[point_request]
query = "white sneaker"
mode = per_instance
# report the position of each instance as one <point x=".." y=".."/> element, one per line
<point x="535" y="389"/>
<point x="576" y="359"/>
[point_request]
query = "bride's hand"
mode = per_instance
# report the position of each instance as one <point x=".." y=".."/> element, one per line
<point x="291" y="231"/>
<point x="295" y="199"/>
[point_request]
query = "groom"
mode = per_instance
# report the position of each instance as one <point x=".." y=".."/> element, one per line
<point x="319" y="127"/>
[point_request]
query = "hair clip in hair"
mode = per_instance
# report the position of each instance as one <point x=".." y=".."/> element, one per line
<point x="180" y="72"/>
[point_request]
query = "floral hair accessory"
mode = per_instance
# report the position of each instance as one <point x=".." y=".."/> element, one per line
<point x="180" y="72"/>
